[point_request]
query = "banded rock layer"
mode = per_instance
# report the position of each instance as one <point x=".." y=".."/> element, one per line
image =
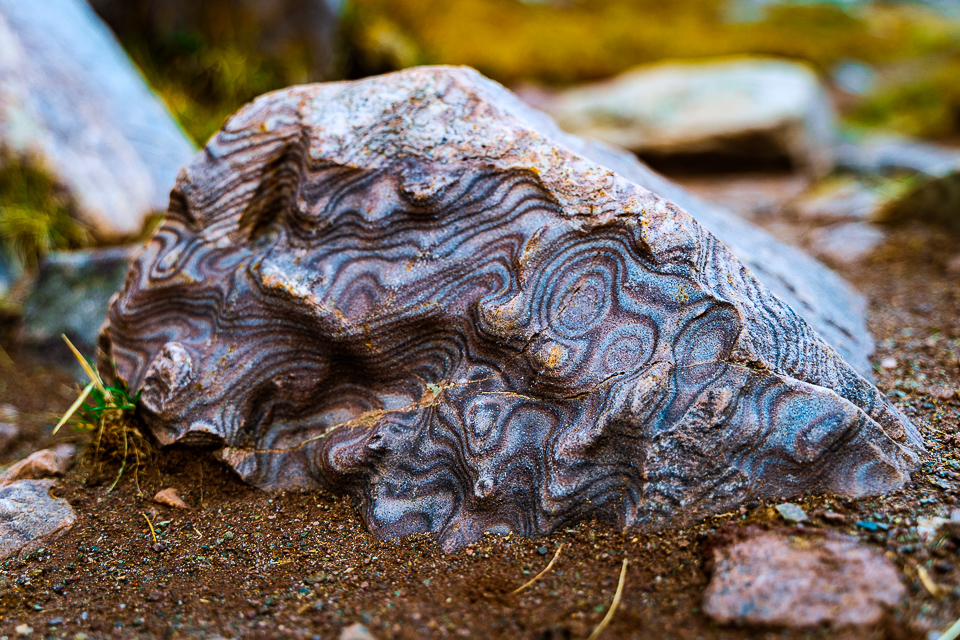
<point x="412" y="288"/>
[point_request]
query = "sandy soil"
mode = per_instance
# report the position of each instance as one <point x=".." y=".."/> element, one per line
<point x="243" y="563"/>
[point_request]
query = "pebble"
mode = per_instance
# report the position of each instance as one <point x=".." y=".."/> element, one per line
<point x="888" y="363"/>
<point x="764" y="579"/>
<point x="228" y="535"/>
<point x="356" y="631"/>
<point x="542" y="551"/>
<point x="791" y="512"/>
<point x="871" y="526"/>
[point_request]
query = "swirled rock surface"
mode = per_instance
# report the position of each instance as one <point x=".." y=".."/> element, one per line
<point x="415" y="289"/>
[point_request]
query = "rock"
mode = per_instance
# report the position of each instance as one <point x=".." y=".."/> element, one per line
<point x="791" y="512"/>
<point x="933" y="192"/>
<point x="9" y="430"/>
<point x="839" y="199"/>
<point x="747" y="107"/>
<point x="295" y="32"/>
<point x="953" y="266"/>
<point x="356" y="631"/>
<point x="30" y="517"/>
<point x="415" y="289"/>
<point x="40" y="464"/>
<point x="170" y="497"/>
<point x="7" y="275"/>
<point x="8" y="434"/>
<point x="823" y="299"/>
<point x="846" y="242"/>
<point x="881" y="155"/>
<point x="932" y="199"/>
<point x="802" y="580"/>
<point x="71" y="100"/>
<point x="70" y="296"/>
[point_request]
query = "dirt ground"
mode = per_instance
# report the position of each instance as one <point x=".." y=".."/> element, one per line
<point x="244" y="563"/>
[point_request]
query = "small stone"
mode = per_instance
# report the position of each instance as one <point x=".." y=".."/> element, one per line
<point x="171" y="498"/>
<point x="871" y="526"/>
<point x="39" y="464"/>
<point x="888" y="363"/>
<point x="846" y="243"/>
<point x="54" y="622"/>
<point x="228" y="535"/>
<point x="8" y="433"/>
<point x="791" y="512"/>
<point x="833" y="517"/>
<point x="356" y="631"/>
<point x="8" y="413"/>
<point x="24" y="630"/>
<point x="766" y="579"/>
<point x="30" y="516"/>
<point x="953" y="266"/>
<point x="542" y="551"/>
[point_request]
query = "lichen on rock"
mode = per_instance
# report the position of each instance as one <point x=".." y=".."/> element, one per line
<point x="411" y="288"/>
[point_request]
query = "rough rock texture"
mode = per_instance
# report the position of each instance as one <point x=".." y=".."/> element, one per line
<point x="413" y="288"/>
<point x="801" y="580"/>
<point x="821" y="297"/>
<point x="30" y="517"/>
<point x="71" y="100"/>
<point x="752" y="106"/>
<point x="71" y="296"/>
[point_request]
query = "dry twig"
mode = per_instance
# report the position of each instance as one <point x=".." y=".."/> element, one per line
<point x="613" y="606"/>
<point x="541" y="574"/>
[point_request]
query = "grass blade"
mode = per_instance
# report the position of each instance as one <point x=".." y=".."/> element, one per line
<point x="73" y="408"/>
<point x="90" y="371"/>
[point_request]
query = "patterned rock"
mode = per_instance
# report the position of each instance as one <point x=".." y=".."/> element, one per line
<point x="71" y="99"/>
<point x="412" y="288"/>
<point x="30" y="517"/>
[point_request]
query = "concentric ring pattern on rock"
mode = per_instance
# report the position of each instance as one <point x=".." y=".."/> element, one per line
<point x="412" y="288"/>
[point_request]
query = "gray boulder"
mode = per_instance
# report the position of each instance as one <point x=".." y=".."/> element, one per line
<point x="30" y="517"/>
<point x="70" y="296"/>
<point x="72" y="101"/>
<point x="748" y="106"/>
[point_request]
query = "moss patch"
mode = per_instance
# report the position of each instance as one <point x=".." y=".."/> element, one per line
<point x="35" y="215"/>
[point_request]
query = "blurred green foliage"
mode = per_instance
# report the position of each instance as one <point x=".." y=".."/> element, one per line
<point x="35" y="215"/>
<point x="922" y="100"/>
<point x="203" y="81"/>
<point x="566" y="42"/>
